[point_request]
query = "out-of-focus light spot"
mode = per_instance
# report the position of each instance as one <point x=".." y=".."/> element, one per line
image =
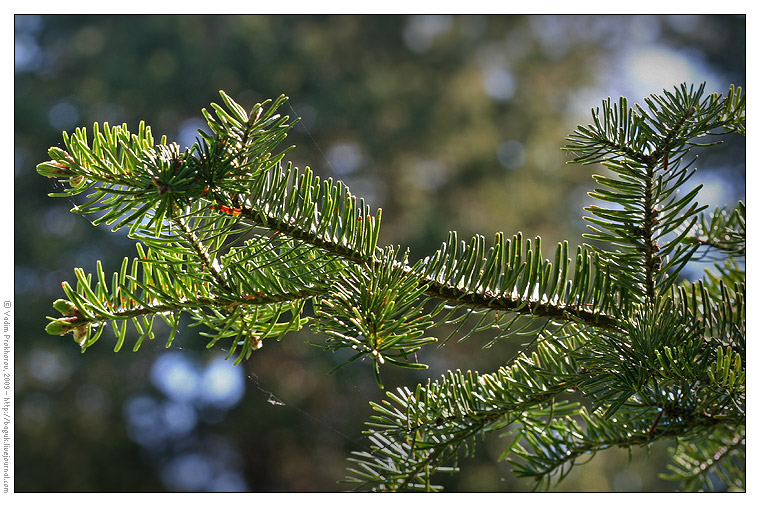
<point x="222" y="384"/>
<point x="151" y="423"/>
<point x="167" y="429"/>
<point x="511" y="154"/>
<point x="344" y="158"/>
<point x="27" y="55"/>
<point x="654" y="68"/>
<point x="89" y="40"/>
<point x="34" y="409"/>
<point x="219" y="385"/>
<point x="551" y="33"/>
<point x="227" y="482"/>
<point x="499" y="83"/>
<point x="175" y="376"/>
<point x="188" y="131"/>
<point x="212" y="466"/>
<point x="716" y="192"/>
<point x="60" y="222"/>
<point x="429" y="174"/>
<point x="144" y="425"/>
<point x="421" y="31"/>
<point x="642" y="29"/>
<point x="307" y="115"/>
<point x="48" y="367"/>
<point x="85" y="256"/>
<point x="26" y="280"/>
<point x="27" y="23"/>
<point x="641" y="71"/>
<point x="187" y="472"/>
<point x="63" y="116"/>
<point x="180" y="418"/>
<point x="52" y="278"/>
<point x="162" y="63"/>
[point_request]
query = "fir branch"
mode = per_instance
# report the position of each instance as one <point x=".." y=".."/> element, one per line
<point x="433" y="422"/>
<point x="241" y="243"/>
<point x="320" y="229"/>
<point x="721" y="455"/>
<point x="722" y="231"/>
<point x="201" y="252"/>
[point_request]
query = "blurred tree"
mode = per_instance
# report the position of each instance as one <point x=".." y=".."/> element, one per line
<point x="430" y="117"/>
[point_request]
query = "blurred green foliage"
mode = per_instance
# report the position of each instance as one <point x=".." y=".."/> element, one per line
<point x="439" y="120"/>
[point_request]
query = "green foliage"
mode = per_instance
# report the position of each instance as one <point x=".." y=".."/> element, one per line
<point x="375" y="310"/>
<point x="623" y="352"/>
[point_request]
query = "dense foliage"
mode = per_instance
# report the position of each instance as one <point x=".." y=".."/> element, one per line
<point x="622" y="352"/>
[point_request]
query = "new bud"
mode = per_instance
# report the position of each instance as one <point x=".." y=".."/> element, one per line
<point x="80" y="335"/>
<point x="53" y="169"/>
<point x="58" y="327"/>
<point x="66" y="307"/>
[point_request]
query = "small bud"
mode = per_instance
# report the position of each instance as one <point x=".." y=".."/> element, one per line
<point x="691" y="111"/>
<point x="53" y="170"/>
<point x="66" y="307"/>
<point x="58" y="327"/>
<point x="162" y="187"/>
<point x="80" y="335"/>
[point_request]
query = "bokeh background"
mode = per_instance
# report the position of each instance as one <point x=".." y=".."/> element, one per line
<point x="446" y="122"/>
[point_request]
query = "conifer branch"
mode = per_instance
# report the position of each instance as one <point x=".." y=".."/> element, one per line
<point x="241" y="242"/>
<point x="202" y="254"/>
